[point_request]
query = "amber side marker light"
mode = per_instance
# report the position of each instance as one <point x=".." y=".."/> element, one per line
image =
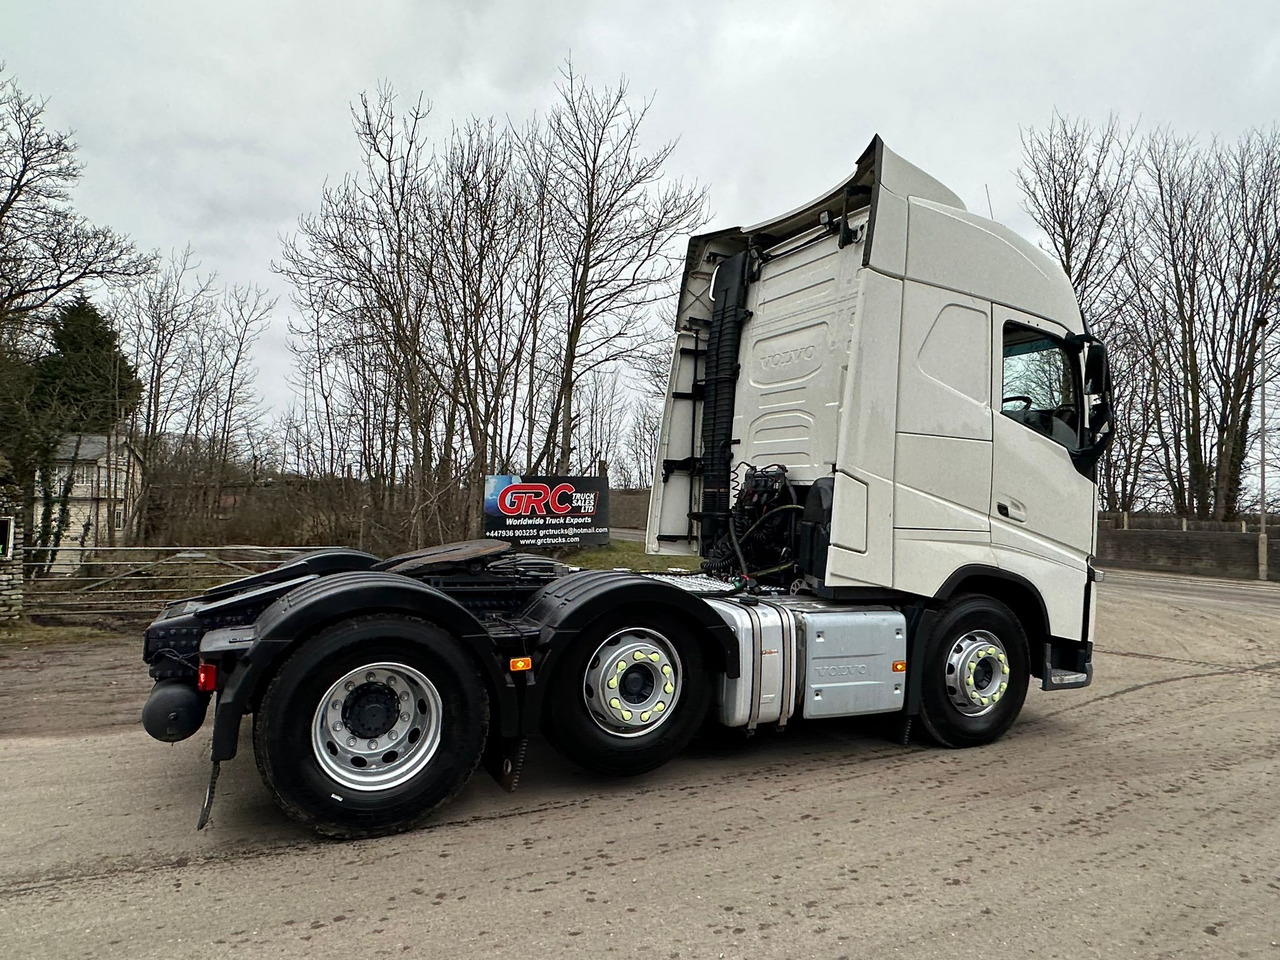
<point x="899" y="666"/>
<point x="521" y="663"/>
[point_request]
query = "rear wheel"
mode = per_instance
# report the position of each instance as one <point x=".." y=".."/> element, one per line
<point x="629" y="695"/>
<point x="371" y="725"/>
<point x="976" y="671"/>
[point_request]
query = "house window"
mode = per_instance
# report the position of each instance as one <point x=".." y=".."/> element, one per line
<point x="6" y="538"/>
<point x="82" y="475"/>
<point x="117" y="519"/>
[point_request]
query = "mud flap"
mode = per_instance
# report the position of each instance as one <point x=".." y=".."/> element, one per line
<point x="207" y="809"/>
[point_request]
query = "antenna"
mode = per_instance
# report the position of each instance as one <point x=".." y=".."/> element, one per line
<point x="989" y="213"/>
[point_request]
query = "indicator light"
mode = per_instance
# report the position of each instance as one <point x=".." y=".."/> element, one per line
<point x="521" y="663"/>
<point x="899" y="666"/>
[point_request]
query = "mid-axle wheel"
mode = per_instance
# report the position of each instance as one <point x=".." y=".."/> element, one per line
<point x="629" y="695"/>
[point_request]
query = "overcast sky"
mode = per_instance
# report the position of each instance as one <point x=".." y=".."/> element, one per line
<point x="216" y="124"/>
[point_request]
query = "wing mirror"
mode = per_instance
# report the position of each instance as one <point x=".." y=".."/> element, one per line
<point x="1097" y="373"/>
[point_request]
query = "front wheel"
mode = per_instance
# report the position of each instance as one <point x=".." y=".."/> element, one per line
<point x="630" y="694"/>
<point x="371" y="725"/>
<point x="975" y="673"/>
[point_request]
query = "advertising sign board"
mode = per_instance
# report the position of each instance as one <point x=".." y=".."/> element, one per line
<point x="547" y="511"/>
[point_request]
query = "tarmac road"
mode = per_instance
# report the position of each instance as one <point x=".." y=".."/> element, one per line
<point x="1139" y="817"/>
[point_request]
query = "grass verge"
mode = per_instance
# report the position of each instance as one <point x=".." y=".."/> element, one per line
<point x="626" y="553"/>
<point x="24" y="633"/>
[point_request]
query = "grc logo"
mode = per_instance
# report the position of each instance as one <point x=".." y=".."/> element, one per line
<point x="525" y="499"/>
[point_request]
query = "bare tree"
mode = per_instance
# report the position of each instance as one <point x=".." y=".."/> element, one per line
<point x="469" y="308"/>
<point x="359" y="263"/>
<point x="1174" y="250"/>
<point x="616" y="223"/>
<point x="47" y="250"/>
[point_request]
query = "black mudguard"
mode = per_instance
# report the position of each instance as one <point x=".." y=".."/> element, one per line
<point x="317" y="604"/>
<point x="563" y="608"/>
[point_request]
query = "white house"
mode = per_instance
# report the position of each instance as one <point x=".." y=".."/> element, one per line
<point x="104" y="498"/>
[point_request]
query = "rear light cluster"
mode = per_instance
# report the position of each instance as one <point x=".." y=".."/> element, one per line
<point x="207" y="678"/>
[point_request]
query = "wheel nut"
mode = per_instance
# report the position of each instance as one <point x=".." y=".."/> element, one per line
<point x="391" y="735"/>
<point x="337" y="725"/>
<point x="391" y="680"/>
<point x="373" y="744"/>
<point x="404" y="694"/>
<point x="348" y="685"/>
<point x="404" y="718"/>
<point x="337" y="704"/>
<point x="371" y="676"/>
<point x="351" y="741"/>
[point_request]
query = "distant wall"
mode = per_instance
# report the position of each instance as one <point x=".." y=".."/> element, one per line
<point x="1220" y="553"/>
<point x="629" y="509"/>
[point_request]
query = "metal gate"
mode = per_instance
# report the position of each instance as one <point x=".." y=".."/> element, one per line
<point x="135" y="582"/>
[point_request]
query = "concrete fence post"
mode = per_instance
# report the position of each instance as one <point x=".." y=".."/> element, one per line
<point x="1262" y="554"/>
<point x="11" y="552"/>
<point x="1124" y="520"/>
<point x="1184" y="524"/>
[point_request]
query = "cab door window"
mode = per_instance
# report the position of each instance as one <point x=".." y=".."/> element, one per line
<point x="1040" y="385"/>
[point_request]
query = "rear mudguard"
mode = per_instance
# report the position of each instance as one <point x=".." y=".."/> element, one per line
<point x="318" y="603"/>
<point x="561" y="610"/>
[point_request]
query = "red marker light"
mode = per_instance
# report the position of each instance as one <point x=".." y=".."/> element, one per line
<point x="207" y="678"/>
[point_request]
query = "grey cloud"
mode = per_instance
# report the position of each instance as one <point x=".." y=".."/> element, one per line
<point x="218" y="125"/>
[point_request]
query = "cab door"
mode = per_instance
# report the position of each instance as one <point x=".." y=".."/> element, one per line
<point x="1042" y="507"/>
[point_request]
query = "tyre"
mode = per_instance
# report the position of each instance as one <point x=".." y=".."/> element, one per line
<point x="629" y="695"/>
<point x="975" y="673"/>
<point x="371" y="725"/>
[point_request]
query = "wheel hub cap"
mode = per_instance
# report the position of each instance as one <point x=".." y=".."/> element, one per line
<point x="977" y="672"/>
<point x="371" y="710"/>
<point x="632" y="682"/>
<point x="377" y="726"/>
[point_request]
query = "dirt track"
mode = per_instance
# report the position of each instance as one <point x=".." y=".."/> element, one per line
<point x="1136" y="818"/>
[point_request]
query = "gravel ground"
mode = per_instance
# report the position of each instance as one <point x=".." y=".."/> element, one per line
<point x="1138" y="817"/>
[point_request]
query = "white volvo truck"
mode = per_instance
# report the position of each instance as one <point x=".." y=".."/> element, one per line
<point x="877" y="469"/>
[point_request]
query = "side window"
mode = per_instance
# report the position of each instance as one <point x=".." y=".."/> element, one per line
<point x="1040" y="385"/>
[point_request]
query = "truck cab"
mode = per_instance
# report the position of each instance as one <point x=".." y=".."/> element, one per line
<point x="926" y="380"/>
